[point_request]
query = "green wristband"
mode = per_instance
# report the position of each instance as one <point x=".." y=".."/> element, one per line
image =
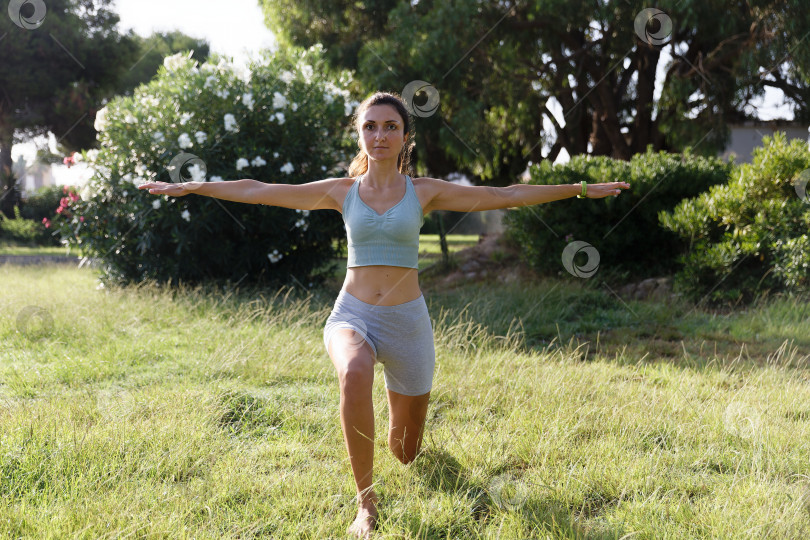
<point x="584" y="190"/>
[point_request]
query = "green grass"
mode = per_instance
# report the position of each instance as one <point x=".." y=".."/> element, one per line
<point x="556" y="412"/>
<point x="15" y="248"/>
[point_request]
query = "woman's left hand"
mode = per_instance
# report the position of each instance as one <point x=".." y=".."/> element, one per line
<point x="605" y="189"/>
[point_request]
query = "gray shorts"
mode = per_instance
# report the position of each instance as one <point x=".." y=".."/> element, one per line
<point x="400" y="336"/>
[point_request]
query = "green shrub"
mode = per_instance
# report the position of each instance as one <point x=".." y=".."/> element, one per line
<point x="624" y="229"/>
<point x="20" y="229"/>
<point x="41" y="207"/>
<point x="42" y="203"/>
<point x="749" y="236"/>
<point x="285" y="118"/>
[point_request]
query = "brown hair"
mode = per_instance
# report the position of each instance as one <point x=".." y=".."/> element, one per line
<point x="359" y="164"/>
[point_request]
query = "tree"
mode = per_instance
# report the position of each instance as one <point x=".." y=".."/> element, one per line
<point x="496" y="65"/>
<point x="151" y="52"/>
<point x="59" y="61"/>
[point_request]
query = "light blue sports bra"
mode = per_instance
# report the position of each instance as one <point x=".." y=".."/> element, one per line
<point x="392" y="238"/>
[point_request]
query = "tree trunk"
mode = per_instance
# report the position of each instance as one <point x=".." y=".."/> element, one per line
<point x="10" y="195"/>
<point x="443" y="240"/>
<point x="646" y="63"/>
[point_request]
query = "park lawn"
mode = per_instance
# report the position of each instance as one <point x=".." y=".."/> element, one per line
<point x="202" y="413"/>
<point x="8" y="247"/>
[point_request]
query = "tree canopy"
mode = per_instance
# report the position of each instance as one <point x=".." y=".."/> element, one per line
<point x="61" y="62"/>
<point x="496" y="65"/>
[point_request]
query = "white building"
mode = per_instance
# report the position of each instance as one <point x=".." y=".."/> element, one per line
<point x="32" y="177"/>
<point x="747" y="136"/>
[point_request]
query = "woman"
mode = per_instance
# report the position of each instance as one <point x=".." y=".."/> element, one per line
<point x="380" y="314"/>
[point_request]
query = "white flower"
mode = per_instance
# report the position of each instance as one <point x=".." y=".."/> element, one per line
<point x="124" y="193"/>
<point x="127" y="177"/>
<point x="186" y="215"/>
<point x="305" y="212"/>
<point x="201" y="137"/>
<point x="184" y="141"/>
<point x="129" y="119"/>
<point x="197" y="173"/>
<point x="86" y="192"/>
<point x="184" y="118"/>
<point x="101" y="122"/>
<point x="92" y="155"/>
<point x="295" y="107"/>
<point x="287" y="168"/>
<point x="158" y="137"/>
<point x="216" y="179"/>
<point x="349" y="106"/>
<point x="323" y="168"/>
<point x="306" y="70"/>
<point x="241" y="163"/>
<point x="223" y="94"/>
<point x="275" y="154"/>
<point x="156" y="204"/>
<point x="258" y="161"/>
<point x="210" y="80"/>
<point x="140" y="170"/>
<point x="175" y="61"/>
<point x="150" y="101"/>
<point x="275" y="256"/>
<point x="247" y="99"/>
<point x="287" y="77"/>
<point x="230" y="123"/>
<point x="279" y="101"/>
<point x="280" y="118"/>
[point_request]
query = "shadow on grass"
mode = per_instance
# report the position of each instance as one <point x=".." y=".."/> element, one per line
<point x="537" y="510"/>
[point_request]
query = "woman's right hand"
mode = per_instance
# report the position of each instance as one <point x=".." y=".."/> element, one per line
<point x="166" y="188"/>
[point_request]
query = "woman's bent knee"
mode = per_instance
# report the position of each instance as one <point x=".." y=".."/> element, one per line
<point x="356" y="376"/>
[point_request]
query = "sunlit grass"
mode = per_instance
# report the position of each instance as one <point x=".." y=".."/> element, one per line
<point x="14" y="248"/>
<point x="209" y="413"/>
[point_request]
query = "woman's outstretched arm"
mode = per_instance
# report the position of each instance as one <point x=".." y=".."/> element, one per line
<point x="449" y="196"/>
<point x="319" y="195"/>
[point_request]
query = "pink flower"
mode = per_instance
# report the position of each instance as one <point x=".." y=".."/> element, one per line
<point x="81" y="218"/>
<point x="74" y="197"/>
<point x="47" y="222"/>
<point x="59" y="210"/>
<point x="70" y="160"/>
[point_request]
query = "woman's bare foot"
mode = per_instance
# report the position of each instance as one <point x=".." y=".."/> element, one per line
<point x="366" y="519"/>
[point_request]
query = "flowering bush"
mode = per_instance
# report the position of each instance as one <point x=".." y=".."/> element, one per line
<point x="283" y="120"/>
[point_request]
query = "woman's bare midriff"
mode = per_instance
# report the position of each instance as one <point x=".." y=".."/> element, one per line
<point x="382" y="285"/>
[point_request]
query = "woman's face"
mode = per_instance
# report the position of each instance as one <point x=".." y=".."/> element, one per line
<point x="381" y="132"/>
